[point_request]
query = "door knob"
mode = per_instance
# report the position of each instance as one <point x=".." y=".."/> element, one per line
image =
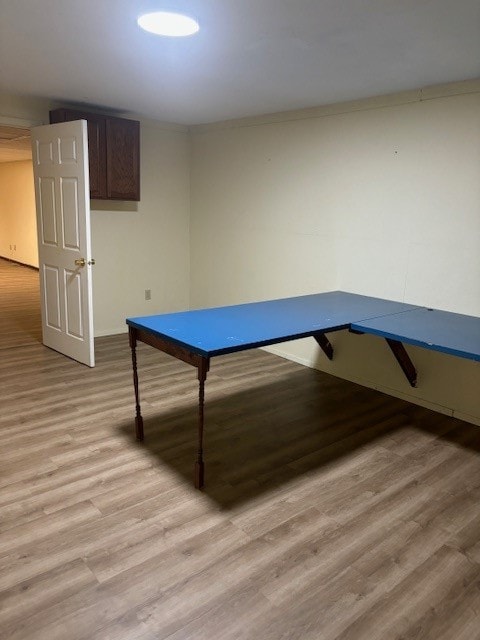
<point x="81" y="262"/>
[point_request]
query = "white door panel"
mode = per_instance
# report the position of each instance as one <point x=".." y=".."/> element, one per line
<point x="60" y="164"/>
<point x="51" y="299"/>
<point x="73" y="306"/>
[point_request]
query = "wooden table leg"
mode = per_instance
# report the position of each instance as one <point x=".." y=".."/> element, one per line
<point x="138" y="416"/>
<point x="199" y="474"/>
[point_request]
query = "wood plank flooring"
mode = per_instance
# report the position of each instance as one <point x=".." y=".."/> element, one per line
<point x="331" y="512"/>
<point x="20" y="319"/>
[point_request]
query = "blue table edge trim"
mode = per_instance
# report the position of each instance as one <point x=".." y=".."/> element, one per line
<point x="467" y="355"/>
<point x="235" y="349"/>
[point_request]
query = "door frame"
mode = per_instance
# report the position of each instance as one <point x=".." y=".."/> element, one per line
<point x="28" y="124"/>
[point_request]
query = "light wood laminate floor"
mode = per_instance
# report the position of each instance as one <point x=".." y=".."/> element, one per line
<point x="331" y="512"/>
<point x="20" y="319"/>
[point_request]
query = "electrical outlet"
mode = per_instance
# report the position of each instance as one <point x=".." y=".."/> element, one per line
<point x="14" y="247"/>
<point x="148" y="294"/>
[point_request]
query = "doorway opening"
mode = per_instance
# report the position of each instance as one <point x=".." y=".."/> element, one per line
<point x="20" y="314"/>
<point x="58" y="188"/>
<point x="18" y="226"/>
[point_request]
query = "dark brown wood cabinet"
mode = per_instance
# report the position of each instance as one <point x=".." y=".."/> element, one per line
<point x="113" y="153"/>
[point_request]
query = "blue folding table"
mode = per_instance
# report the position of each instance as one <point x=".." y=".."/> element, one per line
<point x="196" y="336"/>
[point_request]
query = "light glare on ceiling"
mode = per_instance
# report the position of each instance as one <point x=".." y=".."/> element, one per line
<point x="164" y="23"/>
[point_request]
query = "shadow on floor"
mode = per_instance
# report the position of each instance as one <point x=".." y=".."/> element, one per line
<point x="259" y="438"/>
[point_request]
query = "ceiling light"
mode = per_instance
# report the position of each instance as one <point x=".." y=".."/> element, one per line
<point x="163" y="23"/>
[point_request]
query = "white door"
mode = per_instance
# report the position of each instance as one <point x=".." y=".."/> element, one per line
<point x="60" y="169"/>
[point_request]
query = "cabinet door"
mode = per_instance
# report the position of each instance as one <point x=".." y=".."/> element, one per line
<point x="96" y="156"/>
<point x="123" y="159"/>
<point x="96" y="146"/>
<point x="113" y="151"/>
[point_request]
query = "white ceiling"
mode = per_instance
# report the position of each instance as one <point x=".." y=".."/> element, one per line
<point x="250" y="56"/>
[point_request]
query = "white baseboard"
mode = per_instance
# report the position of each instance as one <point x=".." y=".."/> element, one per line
<point x="111" y="332"/>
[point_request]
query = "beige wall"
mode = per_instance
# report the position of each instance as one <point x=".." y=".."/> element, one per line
<point x="18" y="230"/>
<point x="136" y="246"/>
<point x="145" y="245"/>
<point x="378" y="199"/>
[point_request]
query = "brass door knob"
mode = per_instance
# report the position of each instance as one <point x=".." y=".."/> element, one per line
<point x="81" y="262"/>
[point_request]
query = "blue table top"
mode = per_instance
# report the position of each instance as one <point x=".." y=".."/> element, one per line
<point x="213" y="332"/>
<point x="444" y="331"/>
